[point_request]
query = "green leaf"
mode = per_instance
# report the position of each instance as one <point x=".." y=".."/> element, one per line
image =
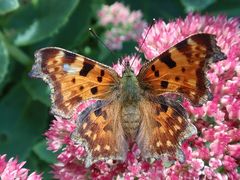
<point x="157" y="9"/>
<point x="23" y="121"/>
<point x="45" y="155"/>
<point x="34" y="163"/>
<point x="210" y="119"/>
<point x="38" y="20"/>
<point x="196" y="5"/>
<point x="227" y="7"/>
<point x="167" y="164"/>
<point x="72" y="34"/>
<point x="38" y="90"/>
<point x="221" y="169"/>
<point x="4" y="59"/>
<point x="17" y="54"/>
<point x="7" y="6"/>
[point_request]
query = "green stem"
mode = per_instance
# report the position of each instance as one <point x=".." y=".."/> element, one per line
<point x="16" y="52"/>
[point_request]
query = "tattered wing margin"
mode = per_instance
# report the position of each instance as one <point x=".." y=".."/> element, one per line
<point x="187" y="133"/>
<point x="215" y="56"/>
<point x="37" y="72"/>
<point x="191" y="130"/>
<point x="89" y="160"/>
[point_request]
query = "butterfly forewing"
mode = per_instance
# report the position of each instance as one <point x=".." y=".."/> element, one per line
<point x="181" y="69"/>
<point x="73" y="78"/>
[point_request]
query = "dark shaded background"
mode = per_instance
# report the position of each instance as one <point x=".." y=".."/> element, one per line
<point x="29" y="25"/>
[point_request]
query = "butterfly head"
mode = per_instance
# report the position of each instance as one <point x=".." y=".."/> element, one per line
<point x="127" y="70"/>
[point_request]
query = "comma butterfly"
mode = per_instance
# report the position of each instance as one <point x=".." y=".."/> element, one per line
<point x="130" y="108"/>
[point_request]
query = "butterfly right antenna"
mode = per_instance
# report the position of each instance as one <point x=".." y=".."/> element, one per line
<point x="140" y="48"/>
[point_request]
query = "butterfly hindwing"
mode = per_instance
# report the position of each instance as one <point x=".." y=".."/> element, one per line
<point x="73" y="78"/>
<point x="164" y="126"/>
<point x="181" y="69"/>
<point x="99" y="130"/>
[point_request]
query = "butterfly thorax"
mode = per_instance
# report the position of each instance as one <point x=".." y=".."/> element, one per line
<point x="130" y="90"/>
<point x="130" y="98"/>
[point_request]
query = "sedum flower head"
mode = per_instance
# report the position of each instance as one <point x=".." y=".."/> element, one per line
<point x="217" y="120"/>
<point x="121" y="24"/>
<point x="214" y="152"/>
<point x="11" y="170"/>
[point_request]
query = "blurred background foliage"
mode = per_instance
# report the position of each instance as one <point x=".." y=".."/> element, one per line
<point x="27" y="25"/>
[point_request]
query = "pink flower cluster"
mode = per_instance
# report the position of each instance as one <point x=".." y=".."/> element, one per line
<point x="11" y="170"/>
<point x="215" y="152"/>
<point x="212" y="154"/>
<point x="134" y="61"/>
<point x="121" y="24"/>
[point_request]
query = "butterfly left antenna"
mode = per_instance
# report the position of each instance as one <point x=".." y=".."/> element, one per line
<point x="94" y="34"/>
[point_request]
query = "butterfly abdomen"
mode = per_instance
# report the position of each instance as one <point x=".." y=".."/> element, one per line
<point x="131" y="120"/>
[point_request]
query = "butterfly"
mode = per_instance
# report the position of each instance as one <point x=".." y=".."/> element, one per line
<point x="130" y="108"/>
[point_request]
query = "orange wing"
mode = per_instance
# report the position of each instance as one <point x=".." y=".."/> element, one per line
<point x="164" y="126"/>
<point x="99" y="130"/>
<point x="181" y="69"/>
<point x="73" y="78"/>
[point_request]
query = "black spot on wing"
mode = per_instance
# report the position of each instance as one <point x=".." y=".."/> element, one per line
<point x="94" y="90"/>
<point x="153" y="68"/>
<point x="99" y="78"/>
<point x="102" y="72"/>
<point x="164" y="107"/>
<point x="166" y="58"/>
<point x="87" y="67"/>
<point x="164" y="84"/>
<point x="184" y="48"/>
<point x="73" y="80"/>
<point x="156" y="73"/>
<point x="98" y="112"/>
<point x="183" y="69"/>
<point x="81" y="88"/>
<point x="69" y="55"/>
